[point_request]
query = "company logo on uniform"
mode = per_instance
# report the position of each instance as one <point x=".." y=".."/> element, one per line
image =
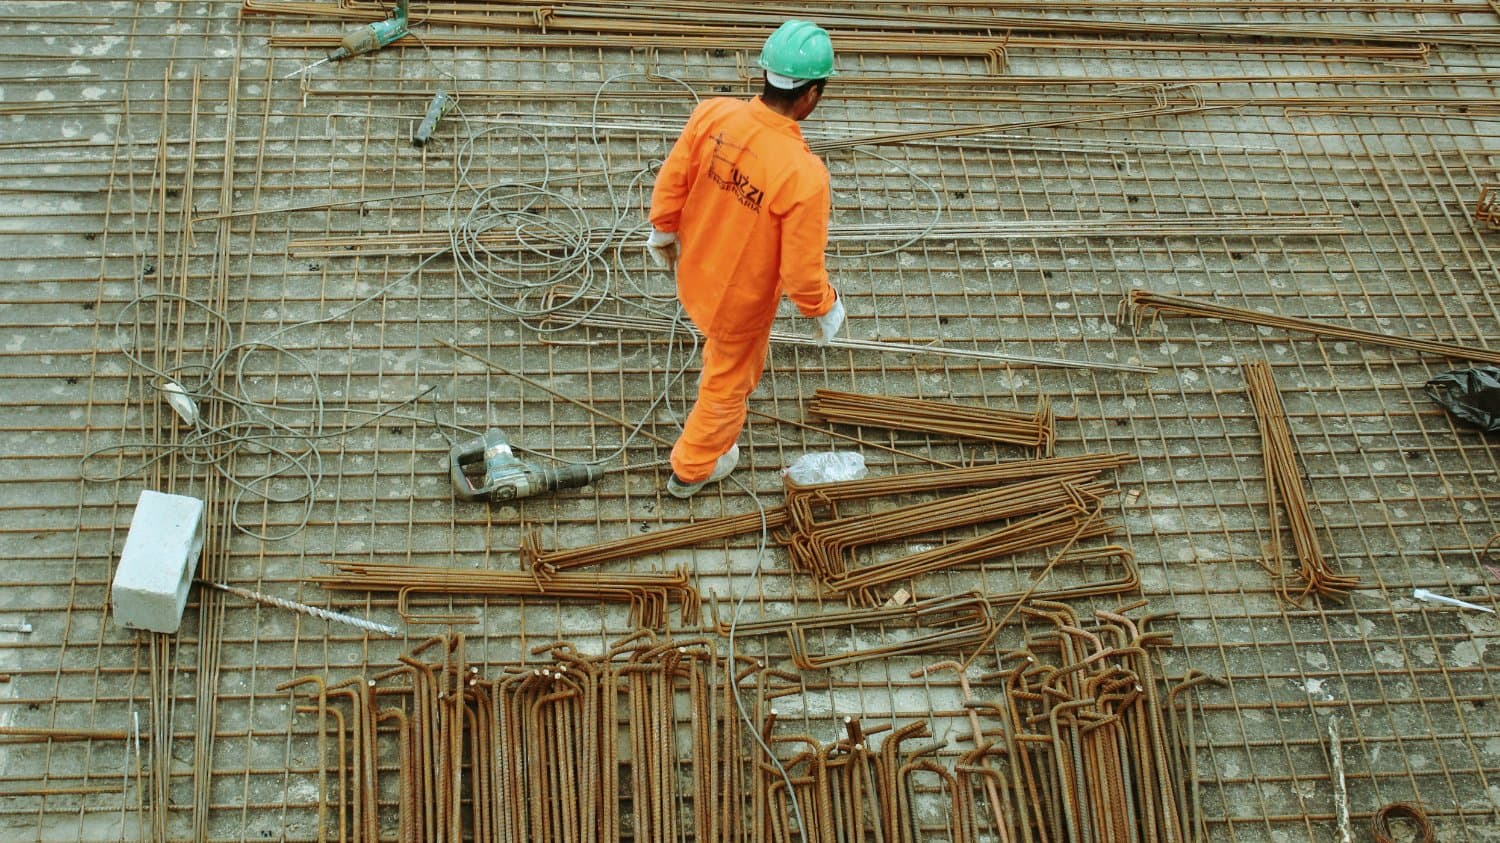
<point x="728" y="177"/>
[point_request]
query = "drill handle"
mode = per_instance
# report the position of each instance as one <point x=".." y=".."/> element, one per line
<point x="360" y="41"/>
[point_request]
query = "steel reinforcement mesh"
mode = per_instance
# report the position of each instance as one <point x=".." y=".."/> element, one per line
<point x="181" y="208"/>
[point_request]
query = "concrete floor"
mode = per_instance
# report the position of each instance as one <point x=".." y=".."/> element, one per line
<point x="177" y="206"/>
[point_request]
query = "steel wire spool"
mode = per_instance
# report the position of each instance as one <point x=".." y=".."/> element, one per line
<point x="1407" y="810"/>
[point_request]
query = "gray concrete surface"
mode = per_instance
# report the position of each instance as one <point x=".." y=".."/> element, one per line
<point x="154" y="150"/>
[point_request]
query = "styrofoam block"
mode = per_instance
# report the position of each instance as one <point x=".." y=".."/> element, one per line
<point x="156" y="567"/>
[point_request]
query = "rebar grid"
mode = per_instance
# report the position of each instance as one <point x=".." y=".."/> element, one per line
<point x="1406" y="498"/>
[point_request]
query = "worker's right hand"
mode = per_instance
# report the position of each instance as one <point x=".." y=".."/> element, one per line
<point x="662" y="246"/>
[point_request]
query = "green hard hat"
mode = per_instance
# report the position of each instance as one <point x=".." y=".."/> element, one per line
<point x="800" y="50"/>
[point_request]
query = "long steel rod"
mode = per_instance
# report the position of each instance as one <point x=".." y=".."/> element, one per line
<point x="1143" y="304"/>
<point x="663" y="325"/>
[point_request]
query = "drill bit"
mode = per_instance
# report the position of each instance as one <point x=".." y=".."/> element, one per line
<point x="324" y="60"/>
<point x="314" y="611"/>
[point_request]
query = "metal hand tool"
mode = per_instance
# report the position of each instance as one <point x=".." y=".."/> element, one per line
<point x="485" y="469"/>
<point x="366" y="39"/>
<point x="442" y="101"/>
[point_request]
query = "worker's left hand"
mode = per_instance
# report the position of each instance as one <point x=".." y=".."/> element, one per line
<point x="830" y="322"/>
<point x="662" y="246"/>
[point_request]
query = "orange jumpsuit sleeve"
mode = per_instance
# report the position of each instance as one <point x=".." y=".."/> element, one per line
<point x="675" y="178"/>
<point x="804" y="237"/>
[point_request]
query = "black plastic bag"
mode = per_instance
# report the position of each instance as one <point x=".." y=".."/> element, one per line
<point x="1470" y="394"/>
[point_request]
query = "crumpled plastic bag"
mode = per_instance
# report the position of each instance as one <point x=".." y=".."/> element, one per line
<point x="1472" y="395"/>
<point x="827" y="467"/>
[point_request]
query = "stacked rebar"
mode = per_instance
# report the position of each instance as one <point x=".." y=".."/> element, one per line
<point x="649" y="595"/>
<point x="1031" y="430"/>
<point x="1059" y="502"/>
<point x="548" y="562"/>
<point x="583" y="748"/>
<point x="848" y="790"/>
<point x="959" y="624"/>
<point x="1082" y="741"/>
<point x="1078" y="738"/>
<point x="1284" y="491"/>
<point x="1089" y="744"/>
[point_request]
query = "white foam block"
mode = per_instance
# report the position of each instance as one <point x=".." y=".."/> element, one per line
<point x="156" y="567"/>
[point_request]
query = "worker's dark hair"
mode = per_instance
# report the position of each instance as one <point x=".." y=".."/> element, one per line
<point x="782" y="96"/>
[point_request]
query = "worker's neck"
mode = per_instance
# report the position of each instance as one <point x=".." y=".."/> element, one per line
<point x="788" y="110"/>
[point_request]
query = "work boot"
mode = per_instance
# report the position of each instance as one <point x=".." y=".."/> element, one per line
<point x="723" y="468"/>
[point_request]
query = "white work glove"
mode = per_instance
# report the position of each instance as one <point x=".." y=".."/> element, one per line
<point x="662" y="246"/>
<point x="830" y="322"/>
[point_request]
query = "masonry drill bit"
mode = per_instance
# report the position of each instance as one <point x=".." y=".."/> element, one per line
<point x="314" y="611"/>
<point x="301" y="70"/>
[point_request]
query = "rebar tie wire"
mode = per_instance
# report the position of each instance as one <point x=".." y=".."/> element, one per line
<point x="1381" y="823"/>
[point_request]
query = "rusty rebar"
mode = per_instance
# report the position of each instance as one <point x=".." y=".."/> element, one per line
<point x="1285" y="492"/>
<point x="1143" y="305"/>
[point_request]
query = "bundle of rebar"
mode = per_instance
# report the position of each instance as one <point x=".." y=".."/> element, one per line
<point x="1089" y="745"/>
<point x="945" y="625"/>
<point x="849" y="790"/>
<point x="803" y="501"/>
<point x="649" y="595"/>
<point x="1284" y="491"/>
<point x="548" y="562"/>
<point x="1144" y="305"/>
<point x="808" y="501"/>
<point x="1060" y="503"/>
<point x="826" y="549"/>
<point x="1072" y="523"/>
<point x="960" y="624"/>
<point x="1030" y="430"/>
<point x="1078" y="738"/>
<point x="1487" y="207"/>
<point x="579" y="748"/>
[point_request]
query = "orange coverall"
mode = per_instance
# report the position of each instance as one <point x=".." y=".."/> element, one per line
<point x="749" y="203"/>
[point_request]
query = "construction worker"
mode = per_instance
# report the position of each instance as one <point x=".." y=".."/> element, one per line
<point x="740" y="208"/>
